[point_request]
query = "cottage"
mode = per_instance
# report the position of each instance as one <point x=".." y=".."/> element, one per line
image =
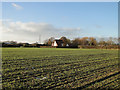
<point x="57" y="43"/>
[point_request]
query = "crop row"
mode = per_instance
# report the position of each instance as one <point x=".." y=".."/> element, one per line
<point x="56" y="68"/>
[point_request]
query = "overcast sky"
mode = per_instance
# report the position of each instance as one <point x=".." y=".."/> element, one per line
<point x="25" y="21"/>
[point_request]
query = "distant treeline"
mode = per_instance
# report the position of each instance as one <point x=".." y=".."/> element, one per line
<point x="84" y="42"/>
<point x="15" y="44"/>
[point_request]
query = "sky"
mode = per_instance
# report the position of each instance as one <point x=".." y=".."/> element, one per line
<point x="29" y="21"/>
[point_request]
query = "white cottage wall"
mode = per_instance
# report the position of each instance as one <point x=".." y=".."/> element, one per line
<point x="55" y="43"/>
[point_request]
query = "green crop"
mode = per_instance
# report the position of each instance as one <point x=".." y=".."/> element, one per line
<point x="59" y="68"/>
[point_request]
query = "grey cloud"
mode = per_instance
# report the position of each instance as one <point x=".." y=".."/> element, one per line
<point x="30" y="31"/>
<point x="98" y="26"/>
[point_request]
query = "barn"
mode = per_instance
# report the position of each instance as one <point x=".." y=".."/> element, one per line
<point x="57" y="43"/>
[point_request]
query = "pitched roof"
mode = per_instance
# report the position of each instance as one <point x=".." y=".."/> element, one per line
<point x="58" y="41"/>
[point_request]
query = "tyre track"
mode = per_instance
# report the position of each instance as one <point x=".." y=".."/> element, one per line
<point x="99" y="80"/>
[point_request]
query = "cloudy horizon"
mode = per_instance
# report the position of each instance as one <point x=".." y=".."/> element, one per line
<point x="24" y="22"/>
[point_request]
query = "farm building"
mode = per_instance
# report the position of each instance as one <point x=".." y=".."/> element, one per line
<point x="57" y="43"/>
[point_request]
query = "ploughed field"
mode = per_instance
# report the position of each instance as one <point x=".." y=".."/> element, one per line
<point x="60" y="68"/>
